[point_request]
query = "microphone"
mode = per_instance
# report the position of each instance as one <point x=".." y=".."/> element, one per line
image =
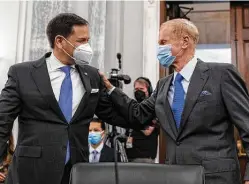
<point x="119" y="60"/>
<point x="115" y="141"/>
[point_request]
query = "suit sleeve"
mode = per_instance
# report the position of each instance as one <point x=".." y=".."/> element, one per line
<point x="110" y="114"/>
<point x="135" y="112"/>
<point x="235" y="96"/>
<point x="9" y="108"/>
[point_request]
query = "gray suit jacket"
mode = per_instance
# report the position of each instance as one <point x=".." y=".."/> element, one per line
<point x="217" y="99"/>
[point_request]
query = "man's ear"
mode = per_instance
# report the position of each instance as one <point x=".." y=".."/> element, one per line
<point x="58" y="41"/>
<point x="186" y="40"/>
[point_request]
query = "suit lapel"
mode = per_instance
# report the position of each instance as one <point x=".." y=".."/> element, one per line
<point x="167" y="107"/>
<point x="102" y="157"/>
<point x="87" y="84"/>
<point x="42" y="81"/>
<point x="197" y="82"/>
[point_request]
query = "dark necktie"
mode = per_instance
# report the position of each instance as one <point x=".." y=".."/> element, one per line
<point x="95" y="156"/>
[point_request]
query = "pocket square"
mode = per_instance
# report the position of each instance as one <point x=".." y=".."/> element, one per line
<point x="205" y="93"/>
<point x="94" y="90"/>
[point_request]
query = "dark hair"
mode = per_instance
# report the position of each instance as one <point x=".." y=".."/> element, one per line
<point x="97" y="120"/>
<point x="63" y="24"/>
<point x="146" y="81"/>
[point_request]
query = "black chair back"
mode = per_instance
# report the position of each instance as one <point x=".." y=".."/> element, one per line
<point x="134" y="173"/>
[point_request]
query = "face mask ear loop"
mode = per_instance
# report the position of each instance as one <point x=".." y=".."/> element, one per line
<point x="69" y="55"/>
<point x="102" y="136"/>
<point x="178" y="53"/>
<point x="68" y="41"/>
<point x="69" y="44"/>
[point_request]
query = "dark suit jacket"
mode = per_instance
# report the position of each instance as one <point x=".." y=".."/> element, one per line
<point x="107" y="154"/>
<point x="43" y="130"/>
<point x="206" y="134"/>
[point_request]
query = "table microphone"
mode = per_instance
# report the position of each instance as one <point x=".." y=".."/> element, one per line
<point x="121" y="136"/>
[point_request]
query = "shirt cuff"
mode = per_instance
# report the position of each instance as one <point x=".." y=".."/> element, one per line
<point x="111" y="90"/>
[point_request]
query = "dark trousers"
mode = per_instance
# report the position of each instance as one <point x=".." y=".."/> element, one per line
<point x="66" y="174"/>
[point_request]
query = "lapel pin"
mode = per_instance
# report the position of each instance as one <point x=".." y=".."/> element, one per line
<point x="85" y="73"/>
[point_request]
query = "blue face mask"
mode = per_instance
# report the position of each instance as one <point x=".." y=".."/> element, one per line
<point x="164" y="55"/>
<point x="94" y="137"/>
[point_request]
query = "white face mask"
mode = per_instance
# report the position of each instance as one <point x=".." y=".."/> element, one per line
<point x="81" y="54"/>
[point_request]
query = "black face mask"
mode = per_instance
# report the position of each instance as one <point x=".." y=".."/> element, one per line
<point x="139" y="95"/>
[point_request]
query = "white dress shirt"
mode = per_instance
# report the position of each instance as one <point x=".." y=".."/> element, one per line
<point x="186" y="73"/>
<point x="98" y="149"/>
<point x="57" y="76"/>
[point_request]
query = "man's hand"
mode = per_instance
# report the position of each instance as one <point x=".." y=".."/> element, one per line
<point x="2" y="177"/>
<point x="107" y="83"/>
<point x="148" y="131"/>
<point x="130" y="140"/>
<point x="246" y="182"/>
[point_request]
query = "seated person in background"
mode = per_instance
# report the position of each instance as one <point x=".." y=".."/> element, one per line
<point x="98" y="151"/>
<point x="4" y="167"/>
<point x="141" y="145"/>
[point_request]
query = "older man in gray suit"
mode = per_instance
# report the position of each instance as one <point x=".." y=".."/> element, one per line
<point x="197" y="106"/>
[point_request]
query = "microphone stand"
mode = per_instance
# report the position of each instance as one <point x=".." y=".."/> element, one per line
<point x="115" y="141"/>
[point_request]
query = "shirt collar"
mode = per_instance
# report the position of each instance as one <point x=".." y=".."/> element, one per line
<point x="55" y="64"/>
<point x="98" y="149"/>
<point x="188" y="69"/>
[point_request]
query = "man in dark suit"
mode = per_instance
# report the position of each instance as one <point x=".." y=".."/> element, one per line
<point x="54" y="99"/>
<point x="197" y="106"/>
<point x="98" y="151"/>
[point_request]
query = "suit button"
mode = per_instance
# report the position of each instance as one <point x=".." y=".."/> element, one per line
<point x="64" y="147"/>
<point x="178" y="143"/>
